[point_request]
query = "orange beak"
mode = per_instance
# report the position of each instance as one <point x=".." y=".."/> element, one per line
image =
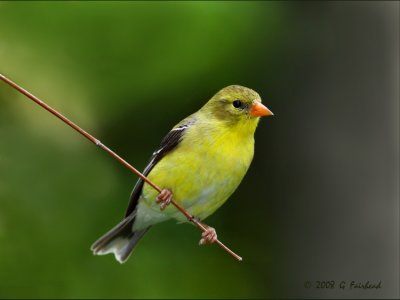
<point x="259" y="110"/>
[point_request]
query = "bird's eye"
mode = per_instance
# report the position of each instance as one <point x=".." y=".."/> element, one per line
<point x="237" y="103"/>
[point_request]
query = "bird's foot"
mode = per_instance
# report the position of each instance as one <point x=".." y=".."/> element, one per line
<point x="209" y="236"/>
<point x="164" y="198"/>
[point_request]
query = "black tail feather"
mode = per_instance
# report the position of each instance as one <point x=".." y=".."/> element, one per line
<point x="120" y="240"/>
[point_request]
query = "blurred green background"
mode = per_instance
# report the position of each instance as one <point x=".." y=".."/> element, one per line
<point x="320" y="201"/>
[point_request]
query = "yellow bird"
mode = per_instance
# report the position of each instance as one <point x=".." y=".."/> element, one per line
<point x="201" y="162"/>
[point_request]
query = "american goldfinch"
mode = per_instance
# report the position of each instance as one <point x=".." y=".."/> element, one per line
<point x="201" y="162"/>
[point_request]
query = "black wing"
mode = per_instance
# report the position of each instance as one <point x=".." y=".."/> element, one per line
<point x="170" y="141"/>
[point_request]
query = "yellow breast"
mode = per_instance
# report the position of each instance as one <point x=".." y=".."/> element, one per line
<point x="204" y="169"/>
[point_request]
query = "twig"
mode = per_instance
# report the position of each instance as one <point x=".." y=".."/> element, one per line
<point x="114" y="155"/>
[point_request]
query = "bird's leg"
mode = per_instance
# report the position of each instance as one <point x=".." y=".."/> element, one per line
<point x="209" y="236"/>
<point x="164" y="198"/>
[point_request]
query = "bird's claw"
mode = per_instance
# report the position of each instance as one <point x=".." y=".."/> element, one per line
<point x="164" y="198"/>
<point x="208" y="237"/>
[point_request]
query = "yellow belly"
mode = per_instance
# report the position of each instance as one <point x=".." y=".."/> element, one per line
<point x="202" y="172"/>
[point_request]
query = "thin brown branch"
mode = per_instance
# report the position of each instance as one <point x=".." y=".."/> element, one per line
<point x="113" y="154"/>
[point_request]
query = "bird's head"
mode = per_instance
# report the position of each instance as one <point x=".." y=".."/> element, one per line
<point x="237" y="104"/>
